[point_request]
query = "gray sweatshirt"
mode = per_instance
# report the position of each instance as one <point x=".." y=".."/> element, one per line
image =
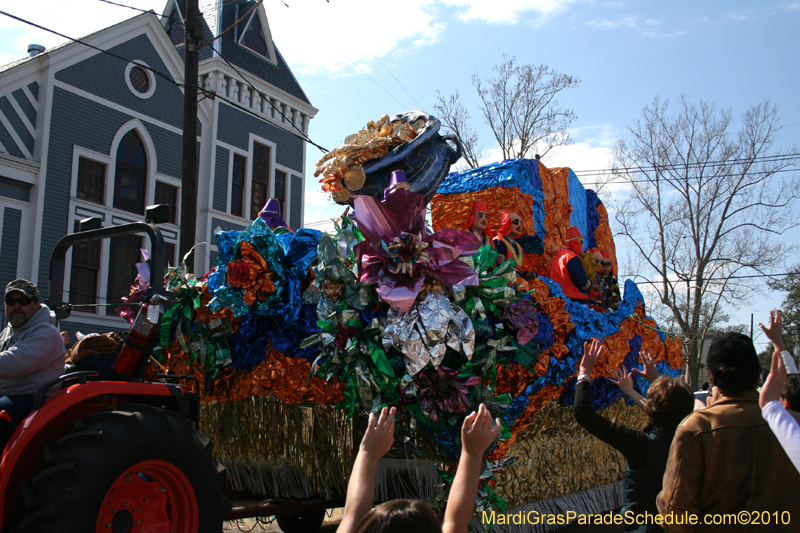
<point x="30" y="355"/>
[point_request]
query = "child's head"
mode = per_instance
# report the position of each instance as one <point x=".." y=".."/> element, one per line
<point x="401" y="516"/>
<point x="791" y="392"/>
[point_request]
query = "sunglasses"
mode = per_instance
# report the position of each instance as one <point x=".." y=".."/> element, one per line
<point x="23" y="300"/>
<point x="516" y="222"/>
<point x="605" y="263"/>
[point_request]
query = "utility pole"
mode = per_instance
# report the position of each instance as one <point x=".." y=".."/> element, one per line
<point x="193" y="34"/>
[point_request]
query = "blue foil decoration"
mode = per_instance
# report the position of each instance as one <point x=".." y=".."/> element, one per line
<point x="592" y="218"/>
<point x="226" y="240"/>
<point x="510" y="173"/>
<point x="216" y="279"/>
<point x="590" y="323"/>
<point x="546" y="336"/>
<point x="286" y="338"/>
<point x="603" y="393"/>
<point x="577" y="199"/>
<point x="248" y="344"/>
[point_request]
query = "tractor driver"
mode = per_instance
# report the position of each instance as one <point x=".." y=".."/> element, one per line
<point x="31" y="353"/>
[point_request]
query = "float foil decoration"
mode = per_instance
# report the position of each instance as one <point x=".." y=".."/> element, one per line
<point x="310" y="332"/>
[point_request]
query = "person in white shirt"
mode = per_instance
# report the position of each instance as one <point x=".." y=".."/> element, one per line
<point x="782" y="422"/>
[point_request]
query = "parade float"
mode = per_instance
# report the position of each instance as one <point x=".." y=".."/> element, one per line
<point x="295" y="336"/>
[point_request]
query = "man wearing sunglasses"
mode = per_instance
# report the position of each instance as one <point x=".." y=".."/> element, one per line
<point x="31" y="353"/>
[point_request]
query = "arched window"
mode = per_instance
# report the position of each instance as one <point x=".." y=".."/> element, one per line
<point x="131" y="176"/>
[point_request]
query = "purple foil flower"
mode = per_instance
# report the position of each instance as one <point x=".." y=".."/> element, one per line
<point x="442" y="392"/>
<point x="522" y="317"/>
<point x="398" y="253"/>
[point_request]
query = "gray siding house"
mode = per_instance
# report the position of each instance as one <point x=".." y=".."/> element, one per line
<point x="88" y="133"/>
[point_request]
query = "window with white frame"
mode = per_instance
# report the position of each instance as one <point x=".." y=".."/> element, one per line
<point x="85" y="275"/>
<point x="167" y="194"/>
<point x="130" y="177"/>
<point x="124" y="253"/>
<point x="91" y="184"/>
<point x="238" y="184"/>
<point x="259" y="191"/>
<point x="280" y="191"/>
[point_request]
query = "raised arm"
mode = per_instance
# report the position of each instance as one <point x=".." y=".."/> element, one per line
<point x="377" y="441"/>
<point x="477" y="434"/>
<point x="630" y="442"/>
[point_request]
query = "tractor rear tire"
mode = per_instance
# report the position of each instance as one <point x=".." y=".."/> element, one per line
<point x="141" y="468"/>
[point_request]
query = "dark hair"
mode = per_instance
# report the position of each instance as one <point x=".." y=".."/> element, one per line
<point x="791" y="391"/>
<point x="733" y="364"/>
<point x="668" y="402"/>
<point x="401" y="516"/>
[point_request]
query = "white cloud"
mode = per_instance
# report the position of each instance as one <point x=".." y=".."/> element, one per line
<point x="509" y="12"/>
<point x="651" y="22"/>
<point x="76" y="19"/>
<point x="793" y="5"/>
<point x="664" y="35"/>
<point x="319" y="37"/>
<point x="628" y="21"/>
<point x="615" y="5"/>
<point x="313" y="36"/>
<point x="742" y="15"/>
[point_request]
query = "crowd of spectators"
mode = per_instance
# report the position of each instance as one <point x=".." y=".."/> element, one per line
<point x="736" y="451"/>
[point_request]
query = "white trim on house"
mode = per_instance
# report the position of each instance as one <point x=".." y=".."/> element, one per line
<point x="13" y="133"/>
<point x="46" y="80"/>
<point x="19" y="169"/>
<point x="117" y="107"/>
<point x="150" y="76"/>
<point x="262" y="16"/>
<point x="22" y="115"/>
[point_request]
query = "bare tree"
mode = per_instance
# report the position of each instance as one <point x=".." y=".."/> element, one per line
<point x="519" y="105"/>
<point x="705" y="204"/>
<point x="456" y="119"/>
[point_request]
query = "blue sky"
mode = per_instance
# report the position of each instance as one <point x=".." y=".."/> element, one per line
<point x="734" y="53"/>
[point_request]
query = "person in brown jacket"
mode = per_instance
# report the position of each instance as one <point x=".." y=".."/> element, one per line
<point x="726" y="470"/>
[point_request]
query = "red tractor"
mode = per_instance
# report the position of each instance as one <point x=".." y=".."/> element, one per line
<point x="113" y="456"/>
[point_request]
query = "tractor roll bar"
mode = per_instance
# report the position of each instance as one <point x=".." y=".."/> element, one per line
<point x="57" y="260"/>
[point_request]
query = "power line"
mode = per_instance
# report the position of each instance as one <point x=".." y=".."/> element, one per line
<point x="684" y="280"/>
<point x="129" y="7"/>
<point x="210" y="43"/>
<point x="375" y="82"/>
<point x="112" y="54"/>
<point x="266" y="98"/>
<point x="628" y="180"/>
<point x="395" y="79"/>
<point x="677" y="166"/>
<point x="169" y="78"/>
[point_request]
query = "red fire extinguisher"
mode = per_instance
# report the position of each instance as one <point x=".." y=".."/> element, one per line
<point x="142" y="331"/>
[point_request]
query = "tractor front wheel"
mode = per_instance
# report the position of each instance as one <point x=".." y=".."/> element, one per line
<point x="132" y="471"/>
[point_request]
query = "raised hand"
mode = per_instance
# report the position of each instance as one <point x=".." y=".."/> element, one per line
<point x="622" y="379"/>
<point x="773" y="332"/>
<point x="478" y="431"/>
<point x="379" y="437"/>
<point x="650" y="371"/>
<point x="591" y="353"/>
